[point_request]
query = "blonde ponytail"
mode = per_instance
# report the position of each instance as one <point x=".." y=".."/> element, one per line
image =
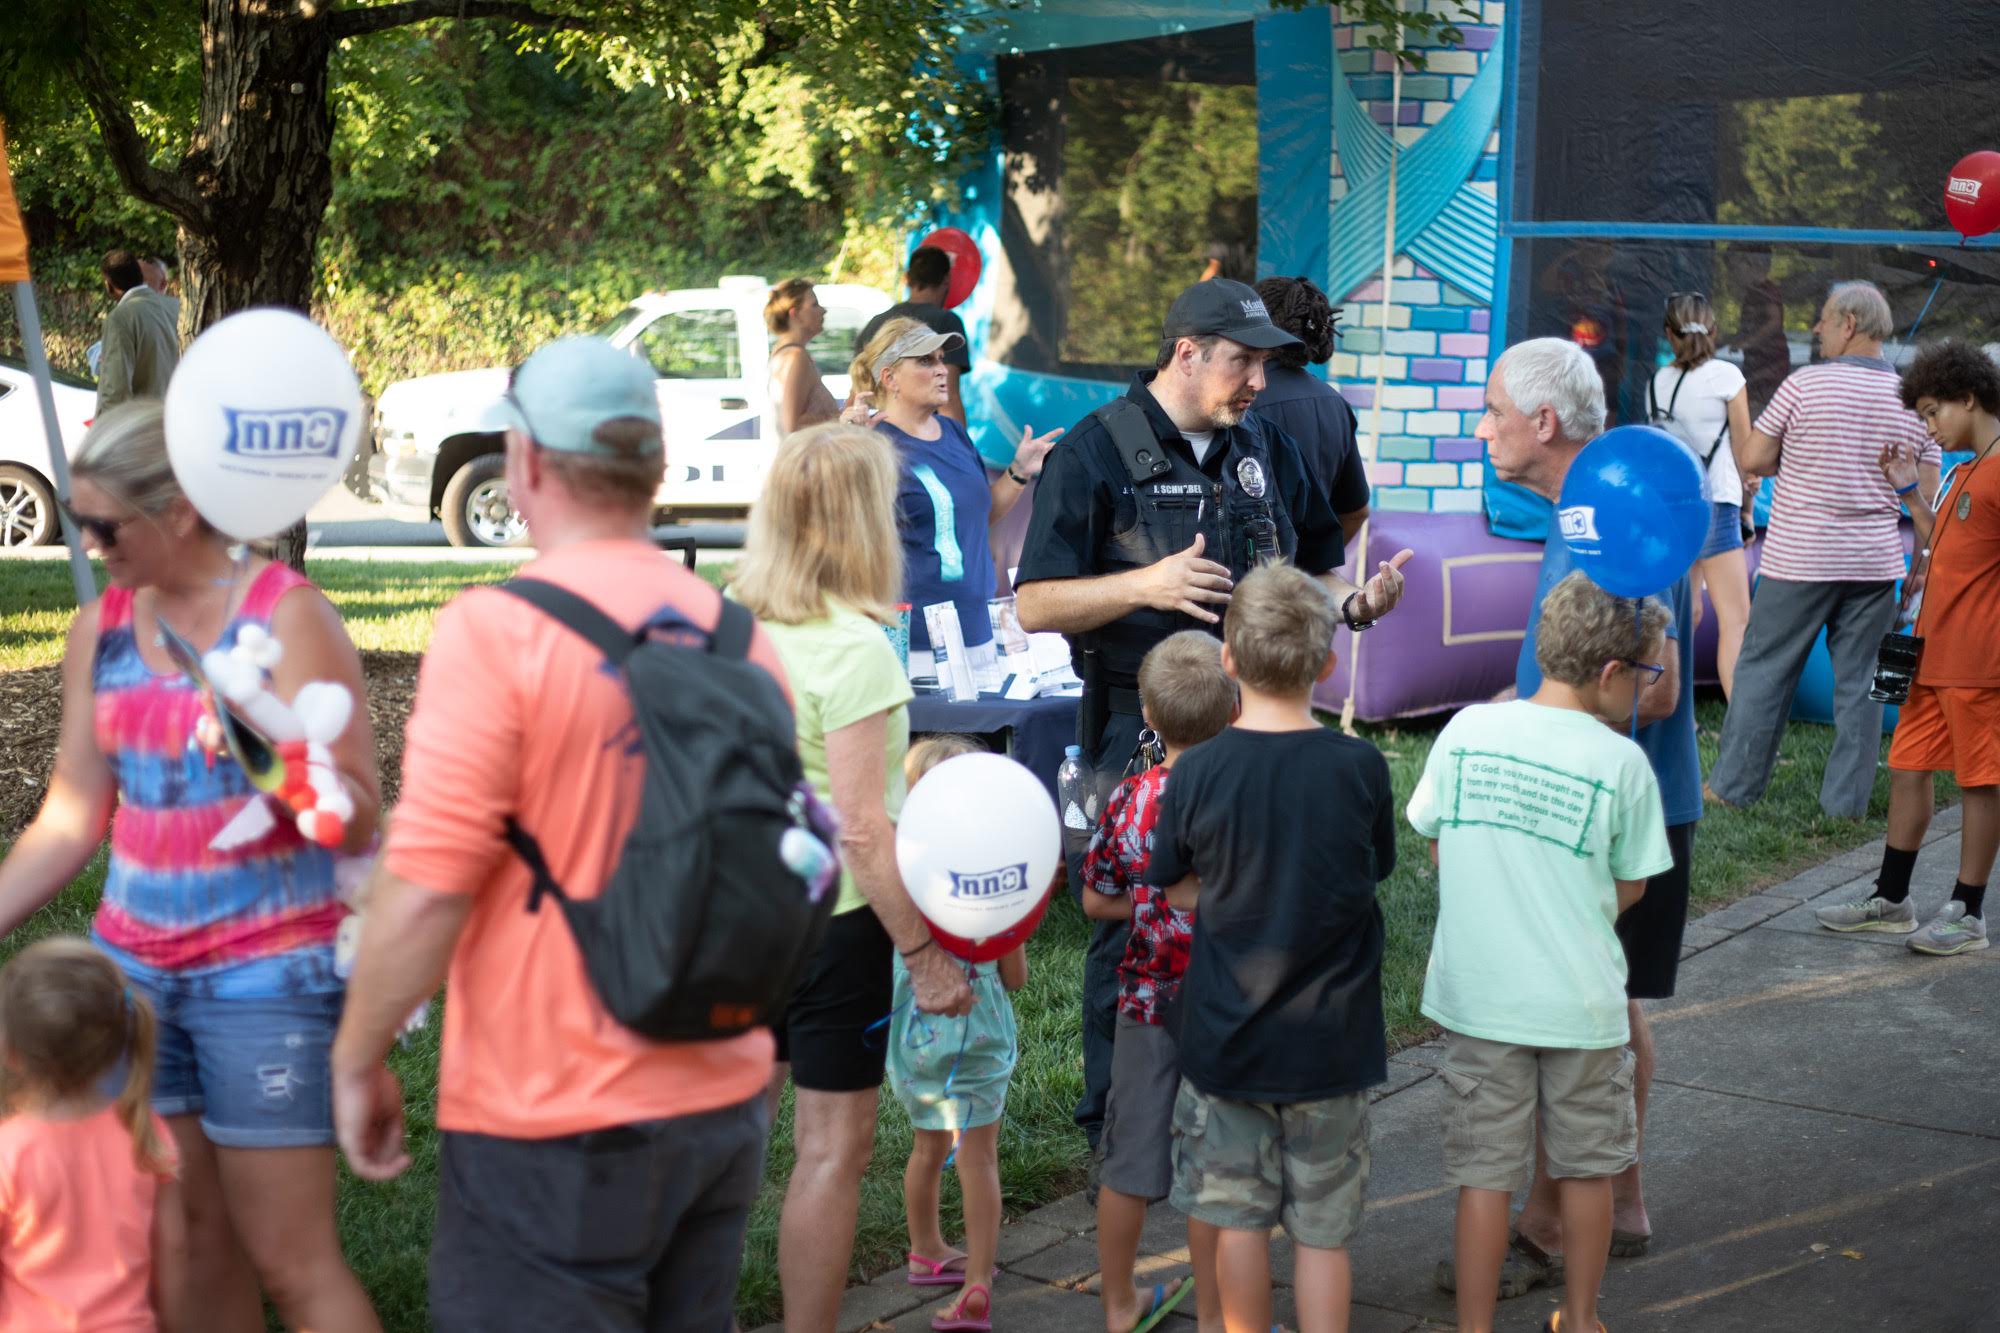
<point x="135" y="1099"/>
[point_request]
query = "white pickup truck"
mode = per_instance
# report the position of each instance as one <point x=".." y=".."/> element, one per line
<point x="437" y="438"/>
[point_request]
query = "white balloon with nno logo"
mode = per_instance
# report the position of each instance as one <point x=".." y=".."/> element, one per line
<point x="262" y="416"/>
<point x="977" y="842"/>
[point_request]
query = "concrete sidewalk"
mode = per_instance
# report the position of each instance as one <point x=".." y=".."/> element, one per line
<point x="1823" y="1151"/>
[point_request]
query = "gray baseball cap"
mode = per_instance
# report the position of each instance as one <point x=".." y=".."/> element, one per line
<point x="568" y="388"/>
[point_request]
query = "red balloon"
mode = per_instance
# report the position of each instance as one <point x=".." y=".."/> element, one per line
<point x="965" y="262"/>
<point x="993" y="946"/>
<point x="1972" y="194"/>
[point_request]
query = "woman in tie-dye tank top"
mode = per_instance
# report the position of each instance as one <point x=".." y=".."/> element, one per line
<point x="234" y="948"/>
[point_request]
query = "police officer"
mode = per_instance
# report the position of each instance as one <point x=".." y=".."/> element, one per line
<point x="1145" y="518"/>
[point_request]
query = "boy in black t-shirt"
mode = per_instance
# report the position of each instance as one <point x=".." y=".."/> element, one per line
<point x="1281" y="829"/>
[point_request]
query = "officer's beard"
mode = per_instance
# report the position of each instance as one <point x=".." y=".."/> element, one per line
<point x="1225" y="416"/>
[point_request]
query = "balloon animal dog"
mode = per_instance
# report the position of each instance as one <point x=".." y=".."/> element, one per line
<point x="298" y="772"/>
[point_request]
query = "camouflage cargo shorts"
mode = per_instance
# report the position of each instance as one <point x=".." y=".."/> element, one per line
<point x="1250" y="1166"/>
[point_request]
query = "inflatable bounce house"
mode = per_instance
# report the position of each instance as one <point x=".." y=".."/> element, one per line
<point x="1557" y="168"/>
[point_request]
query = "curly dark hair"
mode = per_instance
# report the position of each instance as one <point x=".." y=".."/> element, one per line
<point x="1951" y="371"/>
<point x="1302" y="310"/>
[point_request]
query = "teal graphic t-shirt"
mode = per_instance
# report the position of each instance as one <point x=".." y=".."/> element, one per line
<point x="1536" y="811"/>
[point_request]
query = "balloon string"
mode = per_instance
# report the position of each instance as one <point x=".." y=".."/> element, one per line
<point x="1638" y="626"/>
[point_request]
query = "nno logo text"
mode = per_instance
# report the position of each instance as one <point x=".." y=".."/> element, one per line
<point x="1578" y="523"/>
<point x="990" y="883"/>
<point x="284" y="432"/>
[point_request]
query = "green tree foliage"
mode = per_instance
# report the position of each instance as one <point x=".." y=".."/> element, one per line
<point x="1813" y="161"/>
<point x="228" y="115"/>
<point x="1173" y="175"/>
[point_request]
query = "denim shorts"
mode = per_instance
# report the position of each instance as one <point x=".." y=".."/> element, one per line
<point x="1725" y="530"/>
<point x="254" y="1069"/>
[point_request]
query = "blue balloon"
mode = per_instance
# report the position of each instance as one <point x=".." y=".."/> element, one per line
<point x="1632" y="511"/>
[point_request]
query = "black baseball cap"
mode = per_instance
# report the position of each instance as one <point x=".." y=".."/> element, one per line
<point x="1231" y="309"/>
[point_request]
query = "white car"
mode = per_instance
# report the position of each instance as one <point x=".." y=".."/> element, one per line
<point x="27" y="485"/>
<point x="437" y="438"/>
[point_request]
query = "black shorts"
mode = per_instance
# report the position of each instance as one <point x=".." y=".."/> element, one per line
<point x="1651" y="928"/>
<point x="847" y="988"/>
<point x="632" y="1229"/>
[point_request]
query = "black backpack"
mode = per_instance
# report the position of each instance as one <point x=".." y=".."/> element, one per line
<point x="725" y="883"/>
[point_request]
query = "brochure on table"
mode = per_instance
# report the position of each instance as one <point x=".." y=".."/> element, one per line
<point x="1014" y="665"/>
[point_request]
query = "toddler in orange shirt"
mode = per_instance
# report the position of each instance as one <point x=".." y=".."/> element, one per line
<point x="91" y="1232"/>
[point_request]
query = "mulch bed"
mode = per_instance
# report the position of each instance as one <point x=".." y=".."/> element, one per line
<point x="31" y="718"/>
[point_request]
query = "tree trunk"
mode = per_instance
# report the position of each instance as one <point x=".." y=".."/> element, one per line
<point x="262" y="162"/>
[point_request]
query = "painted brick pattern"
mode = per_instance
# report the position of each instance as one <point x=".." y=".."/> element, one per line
<point x="1436" y="344"/>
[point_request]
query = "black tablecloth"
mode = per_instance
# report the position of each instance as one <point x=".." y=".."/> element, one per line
<point x="1035" y="732"/>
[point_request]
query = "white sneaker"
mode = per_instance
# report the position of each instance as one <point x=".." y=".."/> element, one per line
<point x="1877" y="914"/>
<point x="1951" y="931"/>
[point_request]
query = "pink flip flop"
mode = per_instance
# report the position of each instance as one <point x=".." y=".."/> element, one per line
<point x="956" y="1320"/>
<point x="939" y="1272"/>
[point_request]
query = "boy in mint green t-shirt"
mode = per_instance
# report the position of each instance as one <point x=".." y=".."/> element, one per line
<point x="1545" y="824"/>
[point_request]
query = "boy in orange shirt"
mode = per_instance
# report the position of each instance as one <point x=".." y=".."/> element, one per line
<point x="1951" y="722"/>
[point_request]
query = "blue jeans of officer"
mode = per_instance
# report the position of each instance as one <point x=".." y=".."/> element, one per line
<point x="1107" y="753"/>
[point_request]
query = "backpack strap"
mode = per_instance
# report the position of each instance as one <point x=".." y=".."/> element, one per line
<point x="731" y="636"/>
<point x="1716" y="443"/>
<point x="1653" y="402"/>
<point x="1133" y="436"/>
<point x="530" y="852"/>
<point x="577" y="614"/>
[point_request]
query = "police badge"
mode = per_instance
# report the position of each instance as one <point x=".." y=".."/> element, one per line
<point x="1250" y="476"/>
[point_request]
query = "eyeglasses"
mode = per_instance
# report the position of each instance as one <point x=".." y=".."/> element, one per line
<point x="104" y="530"/>
<point x="1651" y="671"/>
<point x="527" y="426"/>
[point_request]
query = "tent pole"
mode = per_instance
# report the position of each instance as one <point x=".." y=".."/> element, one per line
<point x="1373" y="449"/>
<point x="45" y="397"/>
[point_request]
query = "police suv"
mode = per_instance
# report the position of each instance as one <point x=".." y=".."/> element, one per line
<point x="437" y="438"/>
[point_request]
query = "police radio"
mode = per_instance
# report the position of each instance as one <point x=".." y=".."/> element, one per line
<point x="1263" y="528"/>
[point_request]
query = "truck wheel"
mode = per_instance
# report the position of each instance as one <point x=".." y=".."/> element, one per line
<point x="476" y="511"/>
<point x="27" y="509"/>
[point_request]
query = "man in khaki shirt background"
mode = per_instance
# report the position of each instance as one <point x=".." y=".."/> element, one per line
<point x="142" y="341"/>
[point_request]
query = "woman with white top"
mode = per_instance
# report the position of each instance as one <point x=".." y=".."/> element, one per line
<point x="799" y="397"/>
<point x="1701" y="399"/>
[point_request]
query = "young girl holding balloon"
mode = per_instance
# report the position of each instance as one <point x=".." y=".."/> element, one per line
<point x="951" y="1075"/>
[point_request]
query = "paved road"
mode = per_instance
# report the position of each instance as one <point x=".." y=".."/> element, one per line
<point x="1822" y="1154"/>
<point x="341" y="522"/>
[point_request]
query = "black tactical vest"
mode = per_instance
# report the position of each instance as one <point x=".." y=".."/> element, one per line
<point x="1164" y="500"/>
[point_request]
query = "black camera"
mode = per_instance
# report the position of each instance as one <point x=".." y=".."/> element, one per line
<point x="1895" y="667"/>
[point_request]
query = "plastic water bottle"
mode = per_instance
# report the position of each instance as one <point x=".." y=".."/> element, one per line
<point x="1076" y="793"/>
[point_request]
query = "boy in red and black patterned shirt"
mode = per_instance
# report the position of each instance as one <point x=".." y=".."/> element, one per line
<point x="1187" y="698"/>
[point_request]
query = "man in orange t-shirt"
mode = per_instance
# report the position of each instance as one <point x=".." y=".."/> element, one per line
<point x="589" y="1179"/>
<point x="1951" y="722"/>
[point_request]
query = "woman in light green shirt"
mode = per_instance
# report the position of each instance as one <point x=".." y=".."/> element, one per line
<point x="822" y="569"/>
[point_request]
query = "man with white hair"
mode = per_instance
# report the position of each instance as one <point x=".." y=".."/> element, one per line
<point x="1832" y="556"/>
<point x="1544" y="403"/>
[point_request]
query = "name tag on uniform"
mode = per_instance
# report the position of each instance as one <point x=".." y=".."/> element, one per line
<point x="1179" y="488"/>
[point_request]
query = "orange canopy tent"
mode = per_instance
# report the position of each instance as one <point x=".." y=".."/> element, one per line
<point x="14" y="269"/>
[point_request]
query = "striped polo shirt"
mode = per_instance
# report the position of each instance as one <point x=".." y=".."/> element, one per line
<point x="1833" y="518"/>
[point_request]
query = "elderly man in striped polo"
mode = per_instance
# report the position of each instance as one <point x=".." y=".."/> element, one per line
<point x="1832" y="555"/>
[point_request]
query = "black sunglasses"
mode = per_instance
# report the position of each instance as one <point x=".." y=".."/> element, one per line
<point x="105" y="530"/>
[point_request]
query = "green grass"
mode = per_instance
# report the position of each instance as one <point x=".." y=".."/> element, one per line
<point x="386" y="1229"/>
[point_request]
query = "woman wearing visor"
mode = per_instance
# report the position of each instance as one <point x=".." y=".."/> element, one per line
<point x="945" y="502"/>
